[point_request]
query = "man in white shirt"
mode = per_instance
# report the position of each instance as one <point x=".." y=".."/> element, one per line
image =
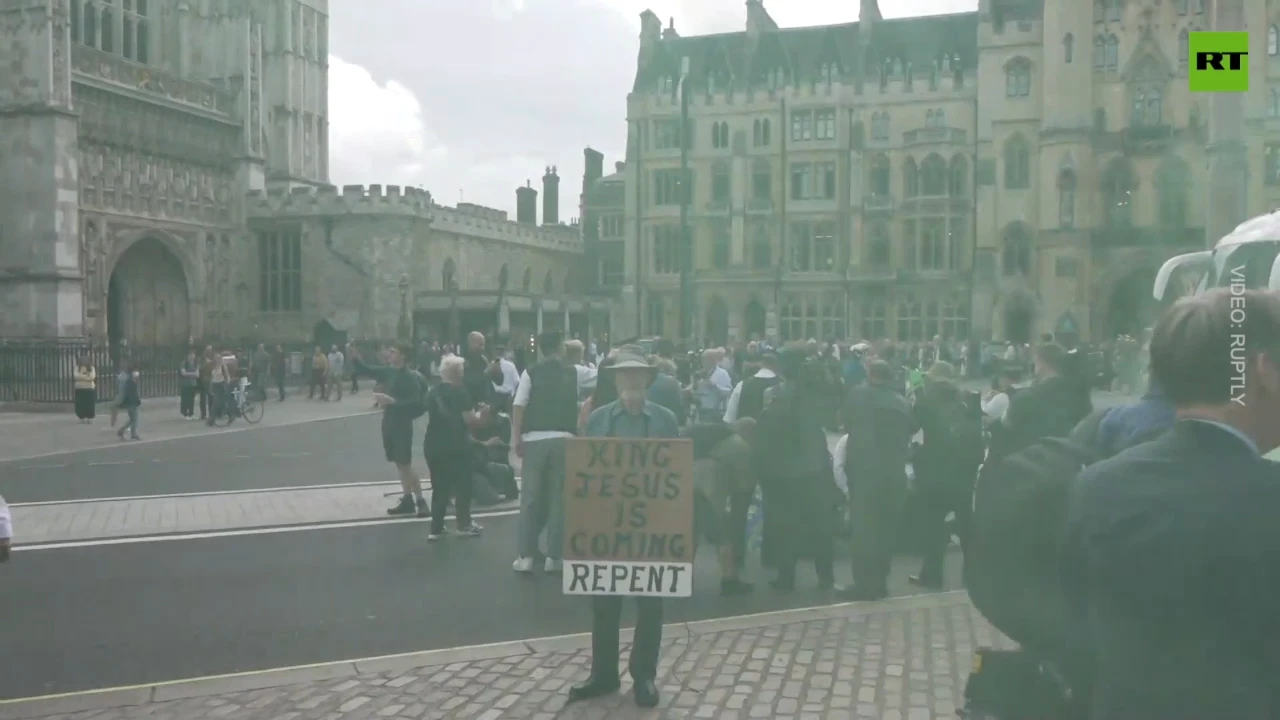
<point x="712" y="387"/>
<point x="573" y="354"/>
<point x="336" y="373"/>
<point x="757" y="384"/>
<point x="543" y="415"/>
<point x="6" y="531"/>
<point x="510" y="377"/>
<point x="995" y="402"/>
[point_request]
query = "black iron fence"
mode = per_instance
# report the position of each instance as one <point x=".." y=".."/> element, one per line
<point x="42" y="371"/>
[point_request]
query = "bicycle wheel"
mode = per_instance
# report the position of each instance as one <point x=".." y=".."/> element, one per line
<point x="224" y="417"/>
<point x="252" y="411"/>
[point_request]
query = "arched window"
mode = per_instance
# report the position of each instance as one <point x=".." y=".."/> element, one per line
<point x="1173" y="181"/>
<point x="1115" y="10"/>
<point x="448" y="276"/>
<point x="1015" y="256"/>
<point x="1273" y="41"/>
<point x="1099" y="53"/>
<point x="1017" y="76"/>
<point x="77" y="13"/>
<point x="766" y="132"/>
<point x="107" y="30"/>
<point x="1117" y="193"/>
<point x="880" y="175"/>
<point x="1068" y="48"/>
<point x="910" y="178"/>
<point x="546" y="284"/>
<point x="1273" y="103"/>
<point x="1017" y="164"/>
<point x="933" y="176"/>
<point x="1184" y="49"/>
<point x="1148" y="92"/>
<point x="959" y="176"/>
<point x="527" y="282"/>
<point x="1113" y="53"/>
<point x="503" y="277"/>
<point x="90" y="25"/>
<point x="1067" y="199"/>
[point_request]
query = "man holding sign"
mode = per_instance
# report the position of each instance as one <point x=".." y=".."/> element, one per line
<point x="629" y="524"/>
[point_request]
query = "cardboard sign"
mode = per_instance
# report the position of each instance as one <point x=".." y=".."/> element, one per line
<point x="628" y="507"/>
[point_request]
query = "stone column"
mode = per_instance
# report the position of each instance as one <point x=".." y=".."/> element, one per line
<point x="1228" y="187"/>
<point x="565" y="308"/>
<point x="538" y="324"/>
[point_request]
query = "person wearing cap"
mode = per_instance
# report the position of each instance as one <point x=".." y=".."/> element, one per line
<point x="630" y="416"/>
<point x="747" y="398"/>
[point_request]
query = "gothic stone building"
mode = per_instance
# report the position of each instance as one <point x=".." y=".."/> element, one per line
<point x="164" y="175"/>
<point x="1002" y="173"/>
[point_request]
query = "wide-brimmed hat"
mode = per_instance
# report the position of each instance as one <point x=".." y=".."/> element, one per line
<point x="631" y="357"/>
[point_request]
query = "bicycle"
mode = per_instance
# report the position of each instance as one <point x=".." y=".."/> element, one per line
<point x="242" y="405"/>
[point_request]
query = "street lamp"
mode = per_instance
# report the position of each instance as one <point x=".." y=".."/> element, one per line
<point x="404" y="328"/>
<point x="686" y="196"/>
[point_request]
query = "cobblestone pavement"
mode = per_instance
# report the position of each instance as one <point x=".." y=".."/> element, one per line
<point x="35" y="435"/>
<point x="903" y="659"/>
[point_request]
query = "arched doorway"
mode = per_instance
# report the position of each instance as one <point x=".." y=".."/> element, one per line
<point x="147" y="301"/>
<point x="718" y="322"/>
<point x="1132" y="308"/>
<point x="755" y="320"/>
<point x="1019" y="319"/>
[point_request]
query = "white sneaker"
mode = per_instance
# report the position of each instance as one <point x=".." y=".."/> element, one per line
<point x="551" y="566"/>
<point x="522" y="565"/>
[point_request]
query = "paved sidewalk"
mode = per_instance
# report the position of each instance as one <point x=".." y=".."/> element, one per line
<point x="902" y="659"/>
<point x="27" y="436"/>
<point x="41" y="523"/>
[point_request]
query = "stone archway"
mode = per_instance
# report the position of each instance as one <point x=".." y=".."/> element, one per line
<point x="754" y="320"/>
<point x="1019" y="316"/>
<point x="1131" y="307"/>
<point x="717" y="322"/>
<point x="148" y="298"/>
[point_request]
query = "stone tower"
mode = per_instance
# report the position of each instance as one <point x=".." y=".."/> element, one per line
<point x="41" y="291"/>
<point x="296" y="64"/>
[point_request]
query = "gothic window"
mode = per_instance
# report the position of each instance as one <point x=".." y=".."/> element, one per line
<point x="720" y="246"/>
<point x="959" y="176"/>
<point x="1067" y="199"/>
<point x="801" y="247"/>
<point x="719" y="135"/>
<point x="957" y="247"/>
<point x="909" y="255"/>
<point x="547" y="284"/>
<point x="766" y="129"/>
<point x="824" y="247"/>
<point x="762" y="182"/>
<point x="655" y="315"/>
<point x="1112" y="53"/>
<point x="1273" y="103"/>
<point x="449" y="276"/>
<point x="1273" y="41"/>
<point x="280" y="271"/>
<point x="910" y="179"/>
<point x="910" y="321"/>
<point x="1117" y="193"/>
<point x="933" y="176"/>
<point x="1099" y="53"/>
<point x="135" y="36"/>
<point x="106" y="29"/>
<point x="761" y="249"/>
<point x="1172" y="185"/>
<point x="1147" y="88"/>
<point x="527" y="282"/>
<point x="1017" y="164"/>
<point x="880" y="175"/>
<point x="721" y="183"/>
<point x="1068" y="48"/>
<point x="1017" y="78"/>
<point x="77" y="14"/>
<point x="1271" y="165"/>
<point x="760" y="132"/>
<point x="1015" y="256"/>
<point x="1115" y="10"/>
<point x="879" y="246"/>
<point x="873" y="320"/>
<point x="880" y="126"/>
<point x="933" y="244"/>
<point x="1184" y="49"/>
<point x="666" y="249"/>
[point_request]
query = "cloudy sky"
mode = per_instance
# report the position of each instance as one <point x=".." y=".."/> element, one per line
<point x="470" y="99"/>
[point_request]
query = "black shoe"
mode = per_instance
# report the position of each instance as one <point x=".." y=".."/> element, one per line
<point x="926" y="583"/>
<point x="729" y="588"/>
<point x="858" y="594"/>
<point x="646" y="694"/>
<point x="424" y="510"/>
<point x="406" y="506"/>
<point x="594" y="687"/>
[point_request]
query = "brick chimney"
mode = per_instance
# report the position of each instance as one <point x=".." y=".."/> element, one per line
<point x="551" y="197"/>
<point x="527" y="204"/>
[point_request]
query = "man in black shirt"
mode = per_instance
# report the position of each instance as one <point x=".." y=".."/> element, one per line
<point x="401" y="403"/>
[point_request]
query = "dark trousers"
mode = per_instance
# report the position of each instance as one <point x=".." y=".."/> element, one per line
<point x="823" y="564"/>
<point x="944" y="493"/>
<point x="279" y="385"/>
<point x="187" y="401"/>
<point x="218" y="399"/>
<point x="874" y="515"/>
<point x="450" y="477"/>
<point x="736" y="526"/>
<point x="202" y="390"/>
<point x="317" y="383"/>
<point x="606" y="620"/>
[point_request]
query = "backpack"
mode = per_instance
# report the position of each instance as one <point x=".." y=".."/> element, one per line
<point x="1019" y="515"/>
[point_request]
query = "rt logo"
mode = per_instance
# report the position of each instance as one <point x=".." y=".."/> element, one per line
<point x="1221" y="61"/>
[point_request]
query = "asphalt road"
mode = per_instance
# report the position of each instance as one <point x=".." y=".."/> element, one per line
<point x="344" y="450"/>
<point x="105" y="616"/>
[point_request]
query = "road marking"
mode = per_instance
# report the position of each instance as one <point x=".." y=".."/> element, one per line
<point x="189" y="436"/>
<point x="290" y="454"/>
<point x="43" y="467"/>
<point x="484" y="651"/>
<point x="213" y="493"/>
<point x="215" y="534"/>
<point x="112" y="462"/>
